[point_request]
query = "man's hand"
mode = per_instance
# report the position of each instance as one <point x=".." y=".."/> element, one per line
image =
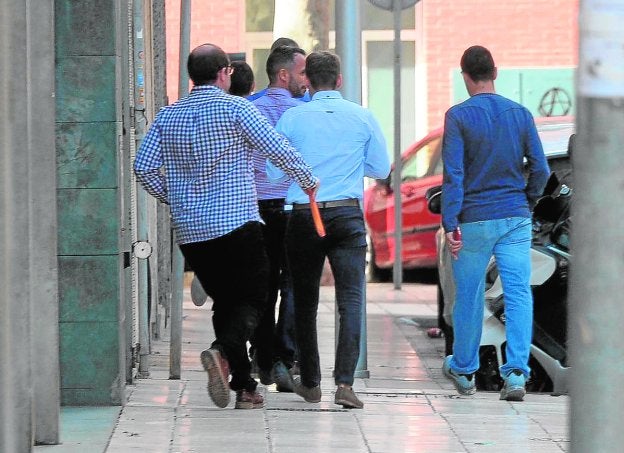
<point x="311" y="192"/>
<point x="454" y="242"/>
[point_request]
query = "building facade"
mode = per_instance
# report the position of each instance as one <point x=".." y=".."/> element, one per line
<point x="534" y="43"/>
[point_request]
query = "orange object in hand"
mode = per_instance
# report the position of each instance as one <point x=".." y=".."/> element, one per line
<point x="316" y="216"/>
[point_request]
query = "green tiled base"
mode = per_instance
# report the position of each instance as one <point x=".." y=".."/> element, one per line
<point x="86" y="155"/>
<point x="88" y="222"/>
<point x="90" y="366"/>
<point x="88" y="288"/>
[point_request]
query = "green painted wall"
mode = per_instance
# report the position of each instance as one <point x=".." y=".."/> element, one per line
<point x="88" y="208"/>
<point x="381" y="90"/>
<point x="544" y="91"/>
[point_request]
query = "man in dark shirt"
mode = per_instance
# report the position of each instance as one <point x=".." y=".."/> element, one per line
<point x="274" y="345"/>
<point x="486" y="210"/>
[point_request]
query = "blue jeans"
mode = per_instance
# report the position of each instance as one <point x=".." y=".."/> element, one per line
<point x="509" y="240"/>
<point x="345" y="247"/>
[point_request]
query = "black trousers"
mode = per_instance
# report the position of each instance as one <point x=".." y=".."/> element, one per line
<point x="275" y="342"/>
<point x="233" y="269"/>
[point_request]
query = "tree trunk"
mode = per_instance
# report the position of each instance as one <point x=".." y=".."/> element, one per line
<point x="305" y="21"/>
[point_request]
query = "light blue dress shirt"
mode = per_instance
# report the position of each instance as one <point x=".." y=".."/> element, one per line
<point x="342" y="142"/>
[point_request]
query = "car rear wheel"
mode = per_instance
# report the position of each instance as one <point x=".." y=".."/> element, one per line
<point x="373" y="273"/>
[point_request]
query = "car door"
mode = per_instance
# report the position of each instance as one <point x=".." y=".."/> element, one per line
<point x="421" y="170"/>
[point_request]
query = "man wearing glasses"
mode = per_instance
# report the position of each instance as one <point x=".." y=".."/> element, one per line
<point x="203" y="143"/>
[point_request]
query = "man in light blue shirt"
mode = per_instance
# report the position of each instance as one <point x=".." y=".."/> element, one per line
<point x="343" y="143"/>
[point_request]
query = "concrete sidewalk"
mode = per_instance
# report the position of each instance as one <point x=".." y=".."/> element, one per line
<point x="409" y="405"/>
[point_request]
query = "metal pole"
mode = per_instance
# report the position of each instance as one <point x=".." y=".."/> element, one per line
<point x="43" y="224"/>
<point x="16" y="409"/>
<point x="185" y="46"/>
<point x="159" y="230"/>
<point x="137" y="94"/>
<point x="596" y="284"/>
<point x="177" y="262"/>
<point x="398" y="214"/>
<point x="349" y="48"/>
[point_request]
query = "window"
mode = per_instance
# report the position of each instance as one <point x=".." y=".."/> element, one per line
<point x="425" y="162"/>
<point x="259" y="15"/>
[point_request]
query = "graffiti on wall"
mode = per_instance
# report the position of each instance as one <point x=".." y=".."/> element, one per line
<point x="555" y="102"/>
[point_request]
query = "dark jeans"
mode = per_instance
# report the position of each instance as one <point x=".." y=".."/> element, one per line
<point x="271" y="342"/>
<point x="345" y="247"/>
<point x="233" y="269"/>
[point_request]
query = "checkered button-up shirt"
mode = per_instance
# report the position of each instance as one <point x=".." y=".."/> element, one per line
<point x="196" y="157"/>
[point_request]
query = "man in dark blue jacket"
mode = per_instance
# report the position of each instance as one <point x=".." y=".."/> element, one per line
<point x="486" y="210"/>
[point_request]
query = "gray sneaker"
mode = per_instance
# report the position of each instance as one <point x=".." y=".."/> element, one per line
<point x="513" y="389"/>
<point x="345" y="396"/>
<point x="310" y="394"/>
<point x="464" y="383"/>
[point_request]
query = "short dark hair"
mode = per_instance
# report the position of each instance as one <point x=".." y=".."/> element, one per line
<point x="323" y="69"/>
<point x="242" y="79"/>
<point x="283" y="42"/>
<point x="478" y="63"/>
<point x="281" y="57"/>
<point x="204" y="62"/>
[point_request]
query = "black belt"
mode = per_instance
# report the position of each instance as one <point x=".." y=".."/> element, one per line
<point x="271" y="203"/>
<point x="328" y="204"/>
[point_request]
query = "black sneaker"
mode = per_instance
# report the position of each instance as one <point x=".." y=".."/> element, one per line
<point x="265" y="377"/>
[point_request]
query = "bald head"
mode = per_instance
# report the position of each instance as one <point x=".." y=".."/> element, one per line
<point x="204" y="62"/>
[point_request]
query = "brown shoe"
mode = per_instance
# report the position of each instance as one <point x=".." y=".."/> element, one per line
<point x="218" y="373"/>
<point x="310" y="394"/>
<point x="246" y="399"/>
<point x="346" y="397"/>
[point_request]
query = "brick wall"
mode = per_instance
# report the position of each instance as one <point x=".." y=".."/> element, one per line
<point x="219" y="22"/>
<point x="522" y="33"/>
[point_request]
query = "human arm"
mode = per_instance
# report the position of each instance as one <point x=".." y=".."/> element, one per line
<point x="453" y="174"/>
<point x="539" y="171"/>
<point x="376" y="160"/>
<point x="148" y="165"/>
<point x="264" y="138"/>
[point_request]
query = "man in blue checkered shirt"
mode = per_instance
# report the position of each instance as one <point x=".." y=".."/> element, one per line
<point x="196" y="157"/>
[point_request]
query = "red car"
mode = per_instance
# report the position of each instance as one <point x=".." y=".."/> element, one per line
<point x="422" y="169"/>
